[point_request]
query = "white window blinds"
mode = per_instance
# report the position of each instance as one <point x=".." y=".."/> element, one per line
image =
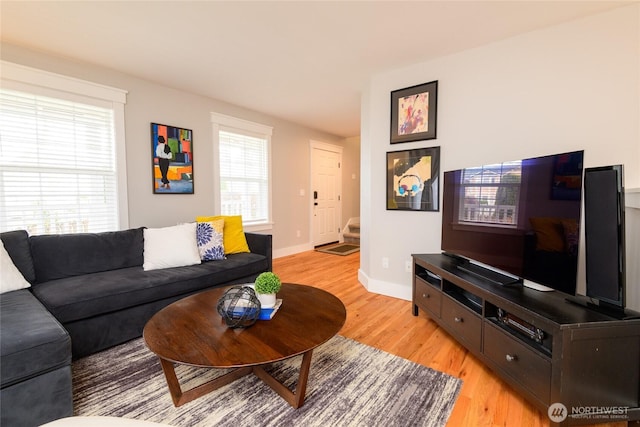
<point x="244" y="175"/>
<point x="58" y="165"/>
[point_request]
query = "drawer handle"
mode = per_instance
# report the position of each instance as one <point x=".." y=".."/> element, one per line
<point x="458" y="319"/>
<point x="426" y="296"/>
<point x="511" y="358"/>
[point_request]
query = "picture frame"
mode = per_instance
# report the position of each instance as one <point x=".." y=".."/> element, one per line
<point x="414" y="113"/>
<point x="171" y="159"/>
<point x="413" y="180"/>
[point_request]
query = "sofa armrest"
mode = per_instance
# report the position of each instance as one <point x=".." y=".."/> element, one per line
<point x="261" y="244"/>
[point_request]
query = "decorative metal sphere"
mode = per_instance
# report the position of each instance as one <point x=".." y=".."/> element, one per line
<point x="239" y="307"/>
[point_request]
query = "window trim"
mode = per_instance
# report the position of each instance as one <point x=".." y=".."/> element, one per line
<point x="233" y="124"/>
<point x="41" y="82"/>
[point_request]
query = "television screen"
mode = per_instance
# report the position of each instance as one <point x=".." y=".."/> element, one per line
<point x="520" y="217"/>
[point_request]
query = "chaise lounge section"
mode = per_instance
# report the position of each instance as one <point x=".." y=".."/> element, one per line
<point x="35" y="351"/>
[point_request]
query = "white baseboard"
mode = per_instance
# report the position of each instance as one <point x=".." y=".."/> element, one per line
<point x="292" y="250"/>
<point x="395" y="290"/>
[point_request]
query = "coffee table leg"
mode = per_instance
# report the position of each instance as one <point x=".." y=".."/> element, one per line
<point x="180" y="398"/>
<point x="172" y="381"/>
<point x="294" y="398"/>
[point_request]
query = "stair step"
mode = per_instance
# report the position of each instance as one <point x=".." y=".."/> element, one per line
<point x="352" y="231"/>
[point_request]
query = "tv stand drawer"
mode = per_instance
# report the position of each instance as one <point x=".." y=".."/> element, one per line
<point x="428" y="298"/>
<point x="463" y="323"/>
<point x="519" y="362"/>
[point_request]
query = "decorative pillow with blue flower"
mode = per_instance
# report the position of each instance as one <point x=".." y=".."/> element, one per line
<point x="210" y="240"/>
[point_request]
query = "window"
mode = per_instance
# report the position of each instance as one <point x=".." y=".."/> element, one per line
<point x="244" y="165"/>
<point x="58" y="157"/>
<point x="491" y="194"/>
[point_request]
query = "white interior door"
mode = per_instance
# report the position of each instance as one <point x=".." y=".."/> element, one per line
<point x="326" y="186"/>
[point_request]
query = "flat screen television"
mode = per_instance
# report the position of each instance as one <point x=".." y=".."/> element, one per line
<point x="517" y="222"/>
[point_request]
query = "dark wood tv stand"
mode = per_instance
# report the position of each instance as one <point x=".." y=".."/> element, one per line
<point x="546" y="348"/>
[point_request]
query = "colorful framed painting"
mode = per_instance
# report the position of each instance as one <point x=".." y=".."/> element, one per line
<point x="172" y="164"/>
<point x="413" y="180"/>
<point x="414" y="113"/>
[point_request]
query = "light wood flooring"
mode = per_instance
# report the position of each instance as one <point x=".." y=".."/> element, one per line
<point x="388" y="324"/>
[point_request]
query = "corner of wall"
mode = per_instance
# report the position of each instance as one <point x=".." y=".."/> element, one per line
<point x="381" y="287"/>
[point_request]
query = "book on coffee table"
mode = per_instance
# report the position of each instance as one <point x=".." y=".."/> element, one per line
<point x="268" y="313"/>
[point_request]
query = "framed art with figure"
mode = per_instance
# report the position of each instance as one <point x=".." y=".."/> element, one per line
<point x="413" y="182"/>
<point x="414" y="113"/>
<point x="172" y="164"/>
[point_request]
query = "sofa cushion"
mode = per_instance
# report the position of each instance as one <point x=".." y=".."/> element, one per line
<point x="17" y="245"/>
<point x="66" y="255"/>
<point x="33" y="342"/>
<point x="81" y="297"/>
<point x="10" y="277"/>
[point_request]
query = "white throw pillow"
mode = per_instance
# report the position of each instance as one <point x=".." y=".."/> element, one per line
<point x="10" y="277"/>
<point x="167" y="247"/>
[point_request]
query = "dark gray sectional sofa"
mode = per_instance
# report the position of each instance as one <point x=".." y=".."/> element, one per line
<point x="89" y="292"/>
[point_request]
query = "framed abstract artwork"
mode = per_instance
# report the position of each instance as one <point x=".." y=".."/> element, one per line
<point x="413" y="182"/>
<point x="172" y="159"/>
<point x="414" y="113"/>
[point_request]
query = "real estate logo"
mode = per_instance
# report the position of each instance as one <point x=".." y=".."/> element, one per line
<point x="557" y="412"/>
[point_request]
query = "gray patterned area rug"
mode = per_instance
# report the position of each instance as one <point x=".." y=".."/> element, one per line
<point x="350" y="384"/>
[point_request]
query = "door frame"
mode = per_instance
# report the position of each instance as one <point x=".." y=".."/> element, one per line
<point x="319" y="145"/>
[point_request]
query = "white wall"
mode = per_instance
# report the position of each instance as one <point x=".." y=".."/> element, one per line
<point x="150" y="102"/>
<point x="568" y="87"/>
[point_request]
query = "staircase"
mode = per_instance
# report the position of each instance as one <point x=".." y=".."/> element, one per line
<point x="352" y="231"/>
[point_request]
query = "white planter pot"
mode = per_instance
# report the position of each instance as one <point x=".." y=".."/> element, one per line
<point x="267" y="300"/>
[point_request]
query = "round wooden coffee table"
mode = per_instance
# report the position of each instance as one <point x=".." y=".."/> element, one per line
<point x="191" y="332"/>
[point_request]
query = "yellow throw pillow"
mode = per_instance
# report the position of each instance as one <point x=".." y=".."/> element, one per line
<point x="233" y="238"/>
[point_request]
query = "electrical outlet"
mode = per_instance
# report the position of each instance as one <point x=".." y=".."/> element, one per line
<point x="408" y="266"/>
<point x="385" y="262"/>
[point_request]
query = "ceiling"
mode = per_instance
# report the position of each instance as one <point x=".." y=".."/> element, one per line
<point x="303" y="61"/>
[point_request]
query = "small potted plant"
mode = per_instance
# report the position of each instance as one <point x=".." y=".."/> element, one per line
<point x="267" y="285"/>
